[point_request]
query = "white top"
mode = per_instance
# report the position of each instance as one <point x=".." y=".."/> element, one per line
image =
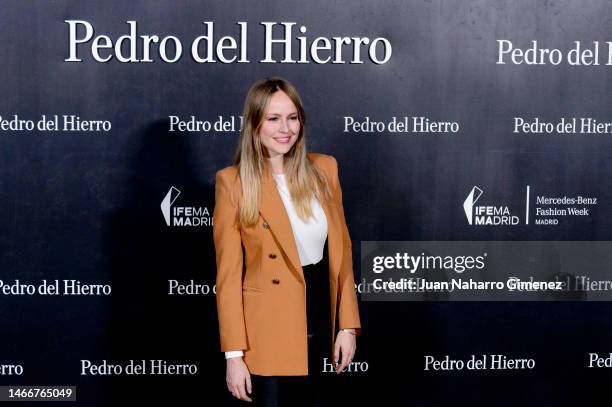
<point x="309" y="236"/>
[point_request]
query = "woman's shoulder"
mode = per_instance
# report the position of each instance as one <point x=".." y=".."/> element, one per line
<point x="229" y="175"/>
<point x="229" y="170"/>
<point x="323" y="160"/>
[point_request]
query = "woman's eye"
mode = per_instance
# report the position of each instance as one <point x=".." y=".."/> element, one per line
<point x="276" y="118"/>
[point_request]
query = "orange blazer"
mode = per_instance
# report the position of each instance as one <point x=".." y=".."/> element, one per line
<point x="262" y="310"/>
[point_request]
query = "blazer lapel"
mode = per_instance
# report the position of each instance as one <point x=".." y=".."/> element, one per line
<point x="272" y="210"/>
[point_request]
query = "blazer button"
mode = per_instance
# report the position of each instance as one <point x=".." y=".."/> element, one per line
<point x="266" y="226"/>
<point x="272" y="255"/>
<point x="276" y="281"/>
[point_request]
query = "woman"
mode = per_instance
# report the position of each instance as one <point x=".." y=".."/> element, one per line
<point x="278" y="300"/>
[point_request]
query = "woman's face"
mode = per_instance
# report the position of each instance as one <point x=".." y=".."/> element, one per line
<point x="281" y="125"/>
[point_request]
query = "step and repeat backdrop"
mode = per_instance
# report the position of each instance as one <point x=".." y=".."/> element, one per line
<point x="474" y="142"/>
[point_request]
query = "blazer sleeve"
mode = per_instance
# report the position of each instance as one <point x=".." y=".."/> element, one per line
<point x="347" y="298"/>
<point x="228" y="249"/>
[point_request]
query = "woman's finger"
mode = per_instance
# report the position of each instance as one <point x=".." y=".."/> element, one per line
<point x="342" y="365"/>
<point x="346" y="357"/>
<point x="248" y="384"/>
<point x="243" y="389"/>
<point x="336" y="351"/>
<point x="234" y="391"/>
<point x="243" y="395"/>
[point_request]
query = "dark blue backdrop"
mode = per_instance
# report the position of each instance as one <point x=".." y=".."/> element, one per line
<point x="86" y="205"/>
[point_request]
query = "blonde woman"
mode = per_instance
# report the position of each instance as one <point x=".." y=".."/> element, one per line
<point x="284" y="256"/>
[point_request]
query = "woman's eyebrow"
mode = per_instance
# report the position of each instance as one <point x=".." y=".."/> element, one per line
<point x="278" y="114"/>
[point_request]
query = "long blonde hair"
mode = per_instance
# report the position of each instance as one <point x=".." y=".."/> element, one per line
<point x="304" y="179"/>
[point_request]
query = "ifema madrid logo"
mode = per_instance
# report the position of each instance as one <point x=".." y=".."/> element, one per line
<point x="491" y="215"/>
<point x="183" y="215"/>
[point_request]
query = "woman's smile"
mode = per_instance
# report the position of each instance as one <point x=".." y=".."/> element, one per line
<point x="282" y="140"/>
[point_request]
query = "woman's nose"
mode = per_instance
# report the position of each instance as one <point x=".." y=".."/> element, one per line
<point x="284" y="125"/>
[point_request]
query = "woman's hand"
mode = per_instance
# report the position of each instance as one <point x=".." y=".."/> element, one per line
<point x="346" y="344"/>
<point x="237" y="374"/>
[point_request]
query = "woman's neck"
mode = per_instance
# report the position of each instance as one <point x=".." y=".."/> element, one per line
<point x="276" y="164"/>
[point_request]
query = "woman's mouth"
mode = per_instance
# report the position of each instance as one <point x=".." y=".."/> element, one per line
<point x="282" y="140"/>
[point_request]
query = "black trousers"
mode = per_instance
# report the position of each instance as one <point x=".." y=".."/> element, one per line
<point x="280" y="391"/>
